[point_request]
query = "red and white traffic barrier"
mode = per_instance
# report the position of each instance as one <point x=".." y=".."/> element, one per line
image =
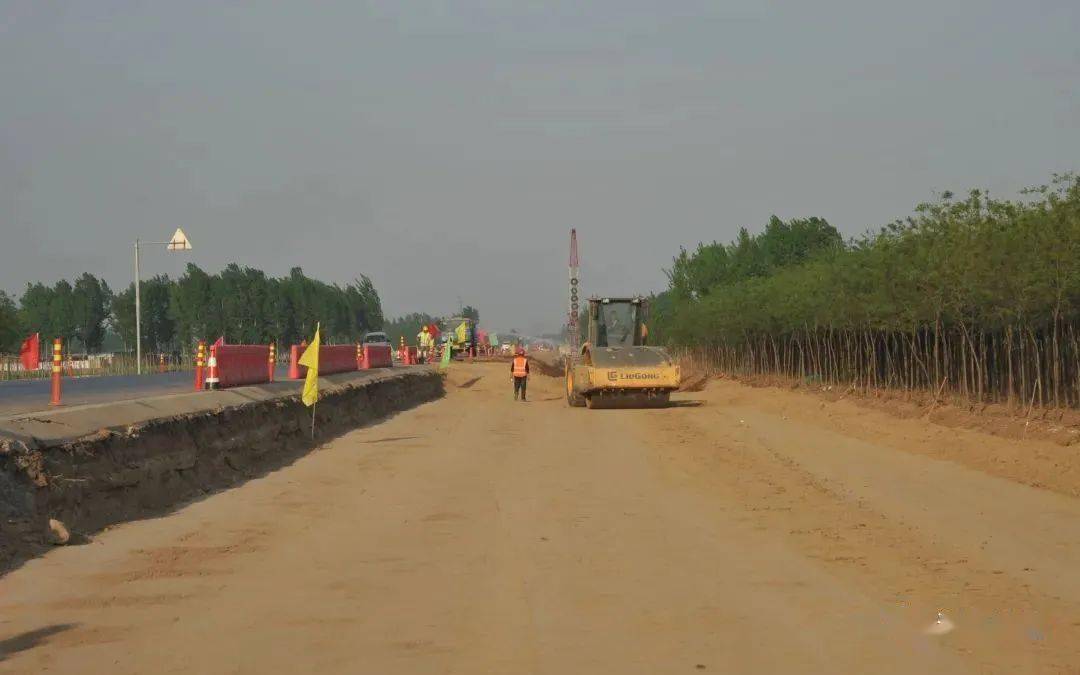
<point x="239" y="365"/>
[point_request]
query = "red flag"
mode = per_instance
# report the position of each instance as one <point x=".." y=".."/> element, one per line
<point x="30" y="353"/>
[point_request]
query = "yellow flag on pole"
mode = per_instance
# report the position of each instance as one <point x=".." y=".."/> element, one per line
<point x="310" y="358"/>
<point x="461" y="333"/>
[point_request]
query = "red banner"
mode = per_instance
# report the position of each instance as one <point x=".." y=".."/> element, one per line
<point x="30" y="352"/>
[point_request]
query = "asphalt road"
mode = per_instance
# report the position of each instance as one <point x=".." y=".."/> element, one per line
<point x="27" y="396"/>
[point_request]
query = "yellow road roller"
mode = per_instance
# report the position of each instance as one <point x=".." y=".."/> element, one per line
<point x="616" y="368"/>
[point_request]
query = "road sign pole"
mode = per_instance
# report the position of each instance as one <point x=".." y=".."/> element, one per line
<point x="138" y="315"/>
<point x="179" y="242"/>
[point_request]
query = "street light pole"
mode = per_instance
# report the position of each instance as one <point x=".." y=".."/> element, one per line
<point x="179" y="242"/>
<point x="138" y="315"/>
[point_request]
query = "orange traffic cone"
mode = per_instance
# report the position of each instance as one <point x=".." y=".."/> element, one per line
<point x="212" y="376"/>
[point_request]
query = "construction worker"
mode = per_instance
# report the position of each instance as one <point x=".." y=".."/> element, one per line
<point x="425" y="341"/>
<point x="519" y="372"/>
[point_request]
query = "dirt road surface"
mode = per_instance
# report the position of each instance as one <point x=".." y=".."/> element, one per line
<point x="741" y="531"/>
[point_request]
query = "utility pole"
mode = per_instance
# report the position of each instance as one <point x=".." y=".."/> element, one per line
<point x="138" y="315"/>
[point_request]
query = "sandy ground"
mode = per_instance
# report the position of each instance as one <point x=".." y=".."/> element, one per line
<point x="743" y="531"/>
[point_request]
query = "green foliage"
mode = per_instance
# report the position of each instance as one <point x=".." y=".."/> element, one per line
<point x="246" y="306"/>
<point x="694" y="275"/>
<point x="90" y="302"/>
<point x="407" y="326"/>
<point x="11" y="328"/>
<point x="69" y="312"/>
<point x="292" y="305"/>
<point x="62" y="311"/>
<point x="158" y="326"/>
<point x="981" y="294"/>
<point x="34" y="309"/>
<point x="190" y="307"/>
<point x="240" y="303"/>
<point x="123" y="311"/>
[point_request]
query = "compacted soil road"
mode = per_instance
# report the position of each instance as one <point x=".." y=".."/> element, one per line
<point x="739" y="531"/>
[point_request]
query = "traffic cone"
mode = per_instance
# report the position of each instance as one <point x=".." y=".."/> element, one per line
<point x="271" y="364"/>
<point x="212" y="377"/>
<point x="56" y="371"/>
<point x="200" y="364"/>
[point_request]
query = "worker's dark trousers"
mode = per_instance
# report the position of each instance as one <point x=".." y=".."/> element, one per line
<point x="519" y="387"/>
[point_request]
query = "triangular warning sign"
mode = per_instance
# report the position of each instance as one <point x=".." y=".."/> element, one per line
<point x="179" y="241"/>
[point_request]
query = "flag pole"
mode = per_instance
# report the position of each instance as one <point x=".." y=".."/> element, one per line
<point x="310" y="359"/>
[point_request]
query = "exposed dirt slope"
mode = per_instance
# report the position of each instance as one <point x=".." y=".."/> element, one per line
<point x="131" y="471"/>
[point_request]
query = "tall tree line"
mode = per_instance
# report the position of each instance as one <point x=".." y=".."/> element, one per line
<point x="240" y="303"/>
<point x="73" y="312"/>
<point x="977" y="296"/>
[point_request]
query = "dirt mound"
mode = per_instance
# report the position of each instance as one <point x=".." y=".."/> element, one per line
<point x="547" y="363"/>
<point x="693" y="381"/>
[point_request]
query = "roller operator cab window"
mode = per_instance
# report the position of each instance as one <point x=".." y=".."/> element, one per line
<point x="617" y="324"/>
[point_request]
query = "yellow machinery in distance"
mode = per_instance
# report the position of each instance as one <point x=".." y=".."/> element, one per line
<point x="616" y="369"/>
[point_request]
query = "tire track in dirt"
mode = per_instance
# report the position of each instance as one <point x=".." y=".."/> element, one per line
<point x="1008" y="626"/>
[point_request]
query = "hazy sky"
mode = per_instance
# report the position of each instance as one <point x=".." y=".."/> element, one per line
<point x="446" y="148"/>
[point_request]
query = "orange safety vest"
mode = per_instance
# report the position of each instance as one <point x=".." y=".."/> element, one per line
<point x="521" y="364"/>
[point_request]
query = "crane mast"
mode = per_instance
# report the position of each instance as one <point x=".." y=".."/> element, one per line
<point x="573" y="331"/>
